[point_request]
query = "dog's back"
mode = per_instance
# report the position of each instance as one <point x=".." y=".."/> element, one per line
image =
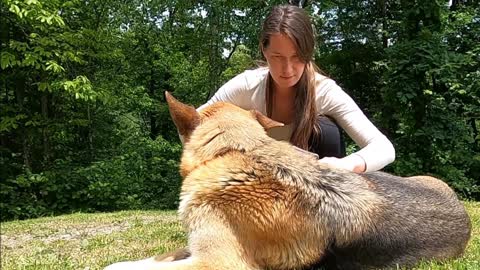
<point x="422" y="218"/>
<point x="372" y="220"/>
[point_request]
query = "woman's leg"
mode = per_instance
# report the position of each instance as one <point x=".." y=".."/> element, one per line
<point x="329" y="142"/>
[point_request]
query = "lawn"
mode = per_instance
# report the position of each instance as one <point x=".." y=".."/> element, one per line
<point x="92" y="241"/>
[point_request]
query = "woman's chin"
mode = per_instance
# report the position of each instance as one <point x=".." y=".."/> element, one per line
<point x="287" y="82"/>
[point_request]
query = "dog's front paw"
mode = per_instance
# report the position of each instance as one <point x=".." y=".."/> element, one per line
<point x="146" y="264"/>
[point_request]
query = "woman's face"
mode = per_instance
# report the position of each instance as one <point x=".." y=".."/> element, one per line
<point x="284" y="63"/>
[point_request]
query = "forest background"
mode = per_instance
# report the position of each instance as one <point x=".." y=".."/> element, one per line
<point x="84" y="125"/>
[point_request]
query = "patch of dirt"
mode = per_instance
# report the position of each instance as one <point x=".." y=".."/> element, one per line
<point x="75" y="232"/>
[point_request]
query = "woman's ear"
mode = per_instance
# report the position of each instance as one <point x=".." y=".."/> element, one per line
<point x="263" y="48"/>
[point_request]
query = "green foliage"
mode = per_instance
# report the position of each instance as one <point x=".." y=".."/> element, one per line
<point x="240" y="61"/>
<point x="143" y="176"/>
<point x="432" y="103"/>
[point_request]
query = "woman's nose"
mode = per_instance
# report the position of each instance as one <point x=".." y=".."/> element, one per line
<point x="287" y="66"/>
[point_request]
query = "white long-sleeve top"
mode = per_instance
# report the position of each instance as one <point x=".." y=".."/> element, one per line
<point x="247" y="90"/>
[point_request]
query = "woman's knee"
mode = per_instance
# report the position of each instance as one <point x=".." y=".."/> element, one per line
<point x="329" y="141"/>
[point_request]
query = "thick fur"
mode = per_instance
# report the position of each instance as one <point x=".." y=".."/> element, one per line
<point x="251" y="202"/>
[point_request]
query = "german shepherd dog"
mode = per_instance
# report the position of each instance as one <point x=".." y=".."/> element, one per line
<point x="251" y="202"/>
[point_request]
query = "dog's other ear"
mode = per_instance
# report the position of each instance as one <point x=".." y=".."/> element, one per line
<point x="266" y="122"/>
<point x="185" y="117"/>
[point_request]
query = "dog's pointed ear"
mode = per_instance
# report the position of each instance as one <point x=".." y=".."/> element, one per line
<point x="266" y="122"/>
<point x="185" y="117"/>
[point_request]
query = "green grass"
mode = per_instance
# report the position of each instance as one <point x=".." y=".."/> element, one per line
<point x="92" y="241"/>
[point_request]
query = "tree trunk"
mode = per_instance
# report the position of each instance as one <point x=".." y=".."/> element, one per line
<point x="383" y="6"/>
<point x="476" y="144"/>
<point x="455" y="4"/>
<point x="19" y="95"/>
<point x="154" y="129"/>
<point x="90" y="132"/>
<point x="45" y="139"/>
<point x="213" y="44"/>
<point x="26" y="151"/>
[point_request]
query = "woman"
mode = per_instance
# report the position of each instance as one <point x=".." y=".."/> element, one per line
<point x="291" y="91"/>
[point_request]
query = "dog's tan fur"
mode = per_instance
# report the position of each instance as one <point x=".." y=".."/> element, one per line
<point x="251" y="202"/>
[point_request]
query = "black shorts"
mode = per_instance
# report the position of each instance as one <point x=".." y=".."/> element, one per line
<point x="329" y="143"/>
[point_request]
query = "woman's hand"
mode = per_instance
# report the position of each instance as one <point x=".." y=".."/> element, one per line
<point x="353" y="163"/>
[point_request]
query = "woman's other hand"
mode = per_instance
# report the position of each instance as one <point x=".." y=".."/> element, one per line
<point x="354" y="163"/>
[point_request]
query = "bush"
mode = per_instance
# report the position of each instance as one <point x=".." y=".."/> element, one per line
<point x="144" y="176"/>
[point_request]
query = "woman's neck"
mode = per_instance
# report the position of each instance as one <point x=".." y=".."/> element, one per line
<point x="283" y="105"/>
<point x="284" y="92"/>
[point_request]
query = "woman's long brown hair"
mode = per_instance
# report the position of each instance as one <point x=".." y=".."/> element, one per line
<point x="295" y="23"/>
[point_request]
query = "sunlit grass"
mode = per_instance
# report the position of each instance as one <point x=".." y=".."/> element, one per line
<point x="92" y="241"/>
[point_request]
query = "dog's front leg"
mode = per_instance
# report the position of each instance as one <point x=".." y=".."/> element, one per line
<point x="213" y="246"/>
<point x="178" y="254"/>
